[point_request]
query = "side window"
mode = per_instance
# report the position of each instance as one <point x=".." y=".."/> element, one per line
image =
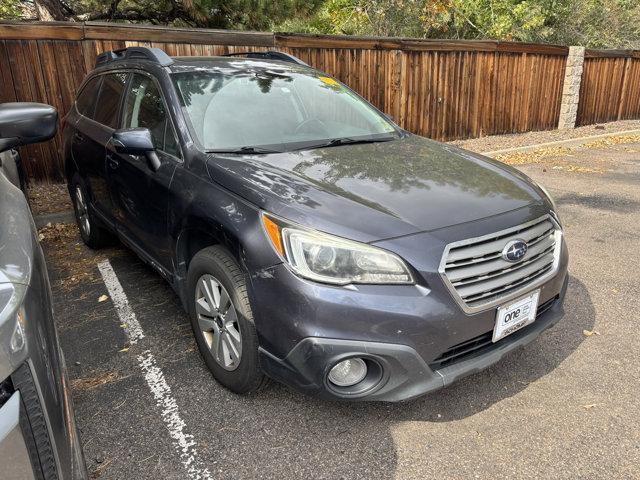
<point x="86" y="101"/>
<point x="109" y="99"/>
<point x="144" y="108"/>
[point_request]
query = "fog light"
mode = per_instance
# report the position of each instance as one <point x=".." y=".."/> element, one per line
<point x="348" y="372"/>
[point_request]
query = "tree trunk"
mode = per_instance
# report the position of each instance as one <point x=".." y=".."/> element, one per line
<point x="49" y="10"/>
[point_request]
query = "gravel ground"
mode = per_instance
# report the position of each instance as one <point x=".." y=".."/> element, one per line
<point x="563" y="407"/>
<point x="499" y="142"/>
<point x="48" y="198"/>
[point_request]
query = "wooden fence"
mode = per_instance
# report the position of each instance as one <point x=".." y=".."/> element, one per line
<point x="610" y="87"/>
<point x="441" y="89"/>
<point x="445" y="90"/>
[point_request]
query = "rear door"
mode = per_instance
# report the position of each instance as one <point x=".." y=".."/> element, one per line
<point x="99" y="105"/>
<point x="140" y="195"/>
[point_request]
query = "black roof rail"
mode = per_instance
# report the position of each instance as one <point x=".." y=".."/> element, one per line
<point x="156" y="55"/>
<point x="270" y="55"/>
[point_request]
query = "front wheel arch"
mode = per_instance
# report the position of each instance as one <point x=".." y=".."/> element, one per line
<point x="195" y="238"/>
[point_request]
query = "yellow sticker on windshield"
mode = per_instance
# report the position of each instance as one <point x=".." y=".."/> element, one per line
<point x="328" y="81"/>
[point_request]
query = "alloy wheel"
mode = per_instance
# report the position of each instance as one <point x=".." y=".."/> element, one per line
<point x="82" y="212"/>
<point x="218" y="322"/>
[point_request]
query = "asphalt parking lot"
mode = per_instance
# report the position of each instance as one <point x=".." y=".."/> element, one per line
<point x="566" y="406"/>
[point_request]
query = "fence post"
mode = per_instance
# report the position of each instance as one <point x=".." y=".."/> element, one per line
<point x="571" y="88"/>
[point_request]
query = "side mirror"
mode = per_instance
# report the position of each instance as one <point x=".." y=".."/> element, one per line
<point x="136" y="141"/>
<point x="26" y="123"/>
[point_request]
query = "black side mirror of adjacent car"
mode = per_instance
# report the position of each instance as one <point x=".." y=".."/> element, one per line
<point x="24" y="123"/>
<point x="137" y="141"/>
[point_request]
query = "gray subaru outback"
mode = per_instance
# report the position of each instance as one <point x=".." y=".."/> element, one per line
<point x="310" y="238"/>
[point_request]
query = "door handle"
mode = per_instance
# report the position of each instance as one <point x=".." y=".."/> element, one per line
<point x="113" y="163"/>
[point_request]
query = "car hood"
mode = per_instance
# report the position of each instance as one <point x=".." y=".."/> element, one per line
<point x="379" y="190"/>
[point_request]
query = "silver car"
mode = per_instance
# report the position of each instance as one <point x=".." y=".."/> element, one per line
<point x="38" y="438"/>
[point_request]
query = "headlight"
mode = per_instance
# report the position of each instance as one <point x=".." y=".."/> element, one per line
<point x="329" y="259"/>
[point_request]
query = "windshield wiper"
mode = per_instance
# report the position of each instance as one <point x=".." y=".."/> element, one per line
<point x="248" y="149"/>
<point x="347" y="141"/>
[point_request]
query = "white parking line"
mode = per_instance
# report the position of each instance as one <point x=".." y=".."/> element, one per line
<point x="184" y="443"/>
<point x="119" y="299"/>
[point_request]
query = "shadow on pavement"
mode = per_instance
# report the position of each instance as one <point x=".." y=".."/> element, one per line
<point x="612" y="203"/>
<point x="360" y="433"/>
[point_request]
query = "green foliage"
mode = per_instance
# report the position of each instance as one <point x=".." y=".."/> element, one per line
<point x="231" y="14"/>
<point x="592" y="23"/>
<point x="10" y="9"/>
<point x="337" y="17"/>
<point x="362" y="17"/>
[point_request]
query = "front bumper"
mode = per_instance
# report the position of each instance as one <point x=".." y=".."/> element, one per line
<point x="406" y="374"/>
<point x="14" y="452"/>
<point x="414" y="332"/>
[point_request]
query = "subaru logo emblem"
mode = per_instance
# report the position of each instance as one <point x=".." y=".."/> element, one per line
<point x="514" y="251"/>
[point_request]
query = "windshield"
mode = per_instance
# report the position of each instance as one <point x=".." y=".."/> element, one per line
<point x="276" y="110"/>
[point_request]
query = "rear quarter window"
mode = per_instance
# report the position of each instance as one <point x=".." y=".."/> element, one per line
<point x="86" y="101"/>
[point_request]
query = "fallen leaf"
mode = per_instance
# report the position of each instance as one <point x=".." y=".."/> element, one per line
<point x="125" y="349"/>
<point x="590" y="406"/>
<point x="588" y="333"/>
<point x="102" y="298"/>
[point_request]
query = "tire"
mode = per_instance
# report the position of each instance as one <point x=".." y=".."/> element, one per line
<point x="93" y="233"/>
<point x="233" y="361"/>
<point x="34" y="423"/>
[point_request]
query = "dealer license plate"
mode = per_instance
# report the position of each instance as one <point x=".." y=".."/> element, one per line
<point x="515" y="315"/>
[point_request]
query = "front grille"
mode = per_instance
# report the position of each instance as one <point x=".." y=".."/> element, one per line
<point x="480" y="344"/>
<point x="479" y="277"/>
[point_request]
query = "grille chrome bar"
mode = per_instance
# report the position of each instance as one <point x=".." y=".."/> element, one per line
<point x="479" y="278"/>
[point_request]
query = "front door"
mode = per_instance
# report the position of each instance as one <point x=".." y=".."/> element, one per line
<point x="140" y="195"/>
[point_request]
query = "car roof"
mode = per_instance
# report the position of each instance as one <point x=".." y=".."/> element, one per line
<point x="233" y="64"/>
<point x="240" y="62"/>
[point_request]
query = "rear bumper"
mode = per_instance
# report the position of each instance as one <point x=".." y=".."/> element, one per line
<point x="405" y="373"/>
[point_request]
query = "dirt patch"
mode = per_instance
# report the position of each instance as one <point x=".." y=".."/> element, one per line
<point x="552" y="161"/>
<point x="89" y="383"/>
<point x="543" y="155"/>
<point x="499" y="142"/>
<point x="561" y="158"/>
<point x="75" y="262"/>
<point x="557" y="158"/>
<point x="47" y="198"/>
<point x="64" y="246"/>
<point x="609" y="141"/>
<point x="97" y="473"/>
<point x="58" y="232"/>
